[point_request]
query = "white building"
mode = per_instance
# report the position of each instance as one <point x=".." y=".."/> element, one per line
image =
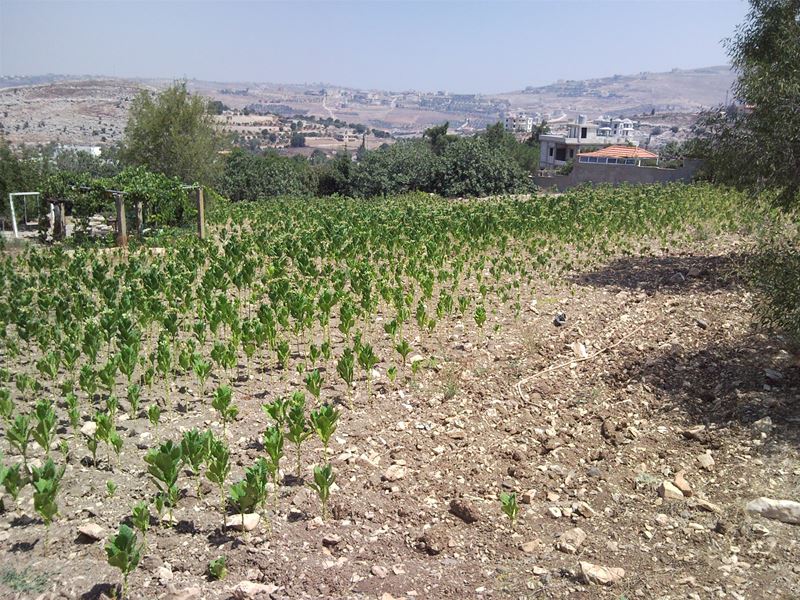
<point x="518" y="123"/>
<point x="582" y="135"/>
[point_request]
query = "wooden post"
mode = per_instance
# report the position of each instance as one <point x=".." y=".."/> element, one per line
<point x="13" y="216"/>
<point x="60" y="221"/>
<point x="139" y="218"/>
<point x="122" y="229"/>
<point x="201" y="214"/>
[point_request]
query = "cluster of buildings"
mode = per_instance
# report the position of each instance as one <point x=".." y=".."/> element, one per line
<point x="557" y="149"/>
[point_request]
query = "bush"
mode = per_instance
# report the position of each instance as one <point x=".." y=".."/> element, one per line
<point x="250" y="177"/>
<point x="397" y="169"/>
<point x="774" y="272"/>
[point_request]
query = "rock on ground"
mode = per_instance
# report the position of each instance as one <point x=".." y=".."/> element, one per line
<point x="786" y="511"/>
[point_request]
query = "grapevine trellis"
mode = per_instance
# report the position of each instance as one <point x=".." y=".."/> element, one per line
<point x="85" y="335"/>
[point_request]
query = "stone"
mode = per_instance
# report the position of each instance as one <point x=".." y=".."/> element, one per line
<point x="251" y="521"/>
<point x="92" y="531"/>
<point x="599" y="575"/>
<point x="584" y="510"/>
<point x="701" y="323"/>
<point x="762" y="426"/>
<point x="394" y="473"/>
<point x="669" y="491"/>
<point x="682" y="484"/>
<point x="773" y="375"/>
<point x="331" y="540"/>
<point x="189" y="593"/>
<point x="164" y="574"/>
<point x="245" y="590"/>
<point x="706" y="461"/>
<point x="527" y="497"/>
<point x="594" y="472"/>
<point x="705" y="505"/>
<point x="571" y="540"/>
<point x="464" y="510"/>
<point x="662" y="519"/>
<point x="555" y="512"/>
<point x="785" y="511"/>
<point x="530" y="547"/>
<point x="693" y="272"/>
<point x="379" y="571"/>
<point x="89" y="428"/>
<point x="579" y="350"/>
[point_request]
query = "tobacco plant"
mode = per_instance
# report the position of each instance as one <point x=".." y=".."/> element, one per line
<point x="124" y="552"/>
<point x="324" y="420"/>
<point x="222" y="403"/>
<point x="297" y="424"/>
<point x="164" y="464"/>
<point x="45" y="429"/>
<point x="324" y="477"/>
<point x="46" y="481"/>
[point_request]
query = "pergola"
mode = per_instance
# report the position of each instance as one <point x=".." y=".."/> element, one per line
<point x="11" y="197"/>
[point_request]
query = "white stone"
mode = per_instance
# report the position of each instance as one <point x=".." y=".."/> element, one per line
<point x="394" y="473"/>
<point x="92" y="531"/>
<point x="245" y="590"/>
<point x="251" y="521"/>
<point x="599" y="575"/>
<point x="786" y="511"/>
<point x="669" y="491"/>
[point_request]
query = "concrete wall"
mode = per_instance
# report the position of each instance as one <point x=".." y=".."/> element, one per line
<point x="617" y="174"/>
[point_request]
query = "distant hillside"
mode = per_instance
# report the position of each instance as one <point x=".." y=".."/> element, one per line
<point x="93" y="110"/>
<point x="676" y="91"/>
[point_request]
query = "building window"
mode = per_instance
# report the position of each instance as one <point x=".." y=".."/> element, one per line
<point x="584" y="132"/>
<point x="572" y="153"/>
<point x="561" y="154"/>
<point x="551" y="151"/>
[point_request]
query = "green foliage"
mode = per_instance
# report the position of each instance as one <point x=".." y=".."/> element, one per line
<point x="140" y="517"/>
<point x="124" y="552"/>
<point x="13" y="479"/>
<point x="218" y="466"/>
<point x="164" y="465"/>
<point x="223" y="404"/>
<point x="19" y="434"/>
<point x="250" y="177"/>
<point x="324" y="420"/>
<point x="324" y="478"/>
<point x="45" y="429"/>
<point x="298" y="429"/>
<point x="217" y="569"/>
<point x="508" y="503"/>
<point x="174" y="134"/>
<point x="46" y="481"/>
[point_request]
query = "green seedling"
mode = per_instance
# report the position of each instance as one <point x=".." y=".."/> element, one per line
<point x="276" y="410"/>
<point x="509" y="505"/>
<point x="73" y="412"/>
<point x="367" y="359"/>
<point x="222" y="403"/>
<point x="134" y="399"/>
<point x="313" y="383"/>
<point x="324" y="478"/>
<point x="140" y="517"/>
<point x="201" y="368"/>
<point x="217" y="569"/>
<point x="19" y="435"/>
<point x="323" y="421"/>
<point x="46" y="481"/>
<point x="298" y="429"/>
<point x="164" y="464"/>
<point x="217" y="469"/>
<point x="403" y="349"/>
<point x="124" y="552"/>
<point x="13" y="479"/>
<point x="273" y="444"/>
<point x="243" y="497"/>
<point x="344" y="367"/>
<point x="154" y="415"/>
<point x="195" y="447"/>
<point x="111" y="488"/>
<point x="6" y="405"/>
<point x="391" y="373"/>
<point x="45" y="429"/>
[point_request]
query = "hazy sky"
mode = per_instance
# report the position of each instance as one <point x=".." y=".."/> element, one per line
<point x="480" y="46"/>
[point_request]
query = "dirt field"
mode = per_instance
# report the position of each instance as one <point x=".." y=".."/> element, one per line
<point x="675" y="370"/>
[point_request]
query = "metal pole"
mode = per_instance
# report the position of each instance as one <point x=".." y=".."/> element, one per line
<point x="13" y="215"/>
<point x="201" y="214"/>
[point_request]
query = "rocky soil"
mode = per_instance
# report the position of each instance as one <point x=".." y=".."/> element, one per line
<point x="635" y="434"/>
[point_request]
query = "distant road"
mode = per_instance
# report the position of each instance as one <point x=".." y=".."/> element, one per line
<point x="325" y="106"/>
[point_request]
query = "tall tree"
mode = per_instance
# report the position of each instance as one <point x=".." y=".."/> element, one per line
<point x="173" y="133"/>
<point x="757" y="143"/>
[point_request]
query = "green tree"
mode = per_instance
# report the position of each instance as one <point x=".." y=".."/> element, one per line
<point x="757" y="143"/>
<point x="298" y="140"/>
<point x="173" y="133"/>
